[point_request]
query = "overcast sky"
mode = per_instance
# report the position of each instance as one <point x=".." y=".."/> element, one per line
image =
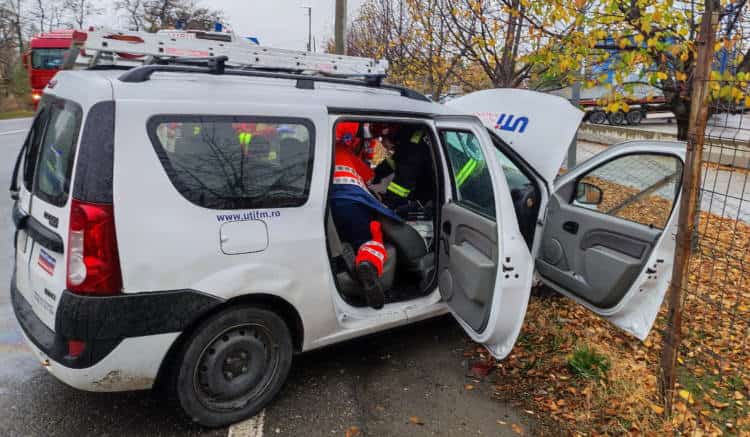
<point x="277" y="23"/>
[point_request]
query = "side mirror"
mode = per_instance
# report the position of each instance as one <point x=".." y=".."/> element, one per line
<point x="25" y="60"/>
<point x="588" y="194"/>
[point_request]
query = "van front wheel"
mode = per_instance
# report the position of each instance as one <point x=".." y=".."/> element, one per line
<point x="233" y="365"/>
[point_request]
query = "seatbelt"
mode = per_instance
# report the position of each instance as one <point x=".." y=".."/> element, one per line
<point x="337" y="248"/>
<point x="334" y="242"/>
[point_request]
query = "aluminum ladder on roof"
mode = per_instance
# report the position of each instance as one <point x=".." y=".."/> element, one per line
<point x="131" y="49"/>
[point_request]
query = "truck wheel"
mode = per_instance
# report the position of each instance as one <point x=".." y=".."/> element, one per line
<point x="617" y="118"/>
<point x="598" y="117"/>
<point x="233" y="364"/>
<point x="634" y="117"/>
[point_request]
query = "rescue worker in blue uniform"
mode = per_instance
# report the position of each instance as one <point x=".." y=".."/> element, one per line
<point x="355" y="211"/>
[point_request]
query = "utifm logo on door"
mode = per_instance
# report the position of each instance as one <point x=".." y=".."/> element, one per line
<point x="512" y="123"/>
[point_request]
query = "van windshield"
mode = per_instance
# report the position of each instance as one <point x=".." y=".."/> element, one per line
<point x="57" y="151"/>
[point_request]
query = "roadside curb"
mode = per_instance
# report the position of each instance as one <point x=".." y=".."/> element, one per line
<point x="725" y="151"/>
<point x="15" y="115"/>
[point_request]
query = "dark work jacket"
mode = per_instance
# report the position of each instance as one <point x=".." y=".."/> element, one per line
<point x="411" y="165"/>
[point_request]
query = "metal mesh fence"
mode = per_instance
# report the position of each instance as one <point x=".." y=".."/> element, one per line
<point x="713" y="366"/>
<point x="712" y="369"/>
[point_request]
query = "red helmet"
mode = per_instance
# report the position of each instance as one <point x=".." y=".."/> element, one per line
<point x="346" y="134"/>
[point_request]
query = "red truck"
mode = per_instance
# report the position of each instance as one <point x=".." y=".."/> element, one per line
<point x="44" y="58"/>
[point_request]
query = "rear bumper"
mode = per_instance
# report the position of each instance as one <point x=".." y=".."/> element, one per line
<point x="103" y="323"/>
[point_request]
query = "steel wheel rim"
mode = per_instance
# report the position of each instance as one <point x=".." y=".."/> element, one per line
<point x="224" y="379"/>
<point x="598" y="118"/>
<point x="634" y="117"/>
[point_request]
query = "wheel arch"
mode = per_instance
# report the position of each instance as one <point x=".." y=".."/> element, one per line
<point x="274" y="303"/>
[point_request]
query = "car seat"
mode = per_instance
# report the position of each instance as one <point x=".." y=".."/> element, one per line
<point x="413" y="256"/>
<point x="293" y="156"/>
<point x="344" y="253"/>
<point x="257" y="171"/>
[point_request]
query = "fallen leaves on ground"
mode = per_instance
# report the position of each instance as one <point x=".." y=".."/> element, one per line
<point x="414" y="420"/>
<point x="714" y="377"/>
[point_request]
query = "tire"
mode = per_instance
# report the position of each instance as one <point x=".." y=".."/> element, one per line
<point x="634" y="117"/>
<point x="232" y="365"/>
<point x="617" y="118"/>
<point x="598" y="117"/>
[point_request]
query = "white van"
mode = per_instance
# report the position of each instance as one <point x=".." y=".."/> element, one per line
<point x="153" y="242"/>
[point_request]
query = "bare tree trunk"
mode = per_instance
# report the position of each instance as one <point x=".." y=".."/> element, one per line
<point x="681" y="110"/>
<point x="17" y="23"/>
<point x="41" y="14"/>
<point x="19" y="26"/>
<point x="507" y="57"/>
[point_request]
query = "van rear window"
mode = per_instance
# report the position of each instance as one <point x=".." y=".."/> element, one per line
<point x="51" y="149"/>
<point x="56" y="150"/>
<point x="223" y="162"/>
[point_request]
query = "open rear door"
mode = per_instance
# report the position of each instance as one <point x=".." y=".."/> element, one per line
<point x="609" y="235"/>
<point x="484" y="265"/>
<point x="537" y="126"/>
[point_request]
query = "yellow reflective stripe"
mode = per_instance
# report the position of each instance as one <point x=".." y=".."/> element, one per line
<point x="465" y="172"/>
<point x="196" y="130"/>
<point x="245" y="138"/>
<point x="417" y="136"/>
<point x="398" y="190"/>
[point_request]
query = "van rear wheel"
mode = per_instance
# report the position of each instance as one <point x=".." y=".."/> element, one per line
<point x="233" y="365"/>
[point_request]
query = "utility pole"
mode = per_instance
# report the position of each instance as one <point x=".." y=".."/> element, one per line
<point x="340" y="27"/>
<point x="309" y="27"/>
<point x="576" y="100"/>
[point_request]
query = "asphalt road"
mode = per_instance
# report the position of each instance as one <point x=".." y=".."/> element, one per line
<point x="376" y="384"/>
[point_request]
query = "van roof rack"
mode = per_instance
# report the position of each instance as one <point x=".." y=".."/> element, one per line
<point x="103" y="46"/>
<point x="189" y="51"/>
<point x="217" y="66"/>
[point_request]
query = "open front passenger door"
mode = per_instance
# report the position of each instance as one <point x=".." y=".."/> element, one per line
<point x="484" y="266"/>
<point x="609" y="235"/>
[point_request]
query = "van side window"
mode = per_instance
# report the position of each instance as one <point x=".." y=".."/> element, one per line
<point x="641" y="188"/>
<point x="470" y="174"/>
<point x="223" y="162"/>
<point x="57" y="152"/>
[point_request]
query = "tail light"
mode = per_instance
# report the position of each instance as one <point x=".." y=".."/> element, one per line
<point x="93" y="260"/>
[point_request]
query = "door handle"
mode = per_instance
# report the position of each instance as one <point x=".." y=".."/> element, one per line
<point x="571" y="227"/>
